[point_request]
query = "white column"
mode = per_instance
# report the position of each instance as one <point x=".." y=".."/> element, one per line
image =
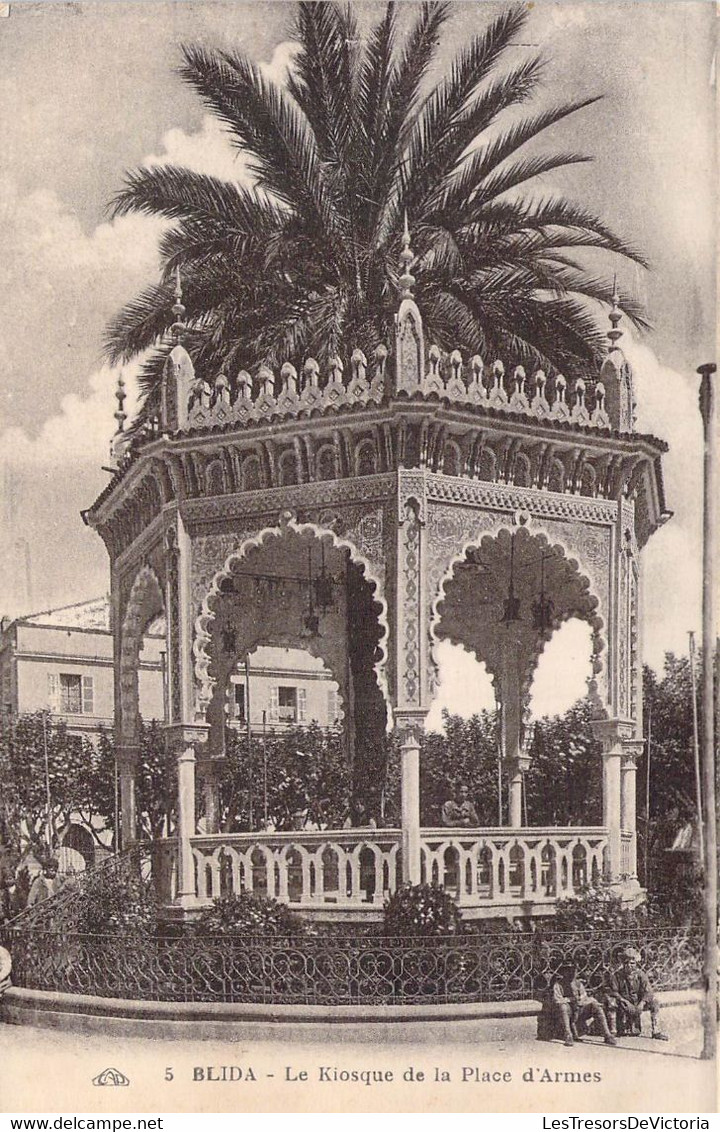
<point x="211" y="796"/>
<point x="186" y="894"/>
<point x="127" y="760"/>
<point x="515" y="795"/>
<point x="611" y="808"/>
<point x="628" y="812"/>
<point x="410" y="799"/>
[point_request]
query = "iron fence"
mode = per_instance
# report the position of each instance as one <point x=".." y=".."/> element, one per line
<point x="337" y="971"/>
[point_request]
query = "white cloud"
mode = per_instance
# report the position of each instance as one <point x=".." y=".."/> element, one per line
<point x="210" y="149"/>
<point x="668" y="408"/>
<point x="80" y="432"/>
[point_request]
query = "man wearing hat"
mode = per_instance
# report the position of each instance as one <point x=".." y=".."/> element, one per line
<point x="628" y="994"/>
<point x="574" y="1007"/>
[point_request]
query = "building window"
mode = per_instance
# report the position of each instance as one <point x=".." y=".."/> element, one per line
<point x="71" y="694"/>
<point x="237" y="702"/>
<point x="288" y="705"/>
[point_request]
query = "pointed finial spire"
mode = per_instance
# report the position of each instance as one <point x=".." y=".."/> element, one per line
<point x="615" y="316"/>
<point x="120" y="395"/>
<point x="407" y="259"/>
<point x="178" y="309"/>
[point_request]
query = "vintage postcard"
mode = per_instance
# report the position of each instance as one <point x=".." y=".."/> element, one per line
<point x="356" y="490"/>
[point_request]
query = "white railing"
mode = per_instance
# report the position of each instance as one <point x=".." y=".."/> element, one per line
<point x="358" y="869"/>
<point x="501" y="866"/>
<point x="312" y="869"/>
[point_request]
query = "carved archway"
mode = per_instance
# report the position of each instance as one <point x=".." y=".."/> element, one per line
<point x="145" y="603"/>
<point x="470" y="604"/>
<point x="261" y="596"/>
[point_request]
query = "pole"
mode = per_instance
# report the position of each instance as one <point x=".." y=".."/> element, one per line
<point x="696" y="755"/>
<point x="48" y="823"/>
<point x="117" y="809"/>
<point x="265" y="796"/>
<point x="248" y="736"/>
<point x="646" y="849"/>
<point x="500" y="779"/>
<point x="709" y="419"/>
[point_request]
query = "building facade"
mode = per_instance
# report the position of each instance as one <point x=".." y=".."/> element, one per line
<point x="61" y="661"/>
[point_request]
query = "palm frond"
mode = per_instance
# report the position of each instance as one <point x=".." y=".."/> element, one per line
<point x="445" y="105"/>
<point x="139" y="324"/>
<point x="268" y="125"/>
<point x="524" y="169"/>
<point x="323" y="78"/>
<point x="433" y="164"/>
<point x="178" y="193"/>
<point x="389" y="143"/>
<point x="542" y="213"/>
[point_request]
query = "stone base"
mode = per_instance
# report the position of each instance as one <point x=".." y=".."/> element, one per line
<point x="628" y="890"/>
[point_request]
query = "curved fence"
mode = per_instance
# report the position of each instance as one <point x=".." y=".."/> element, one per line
<point x="338" y="971"/>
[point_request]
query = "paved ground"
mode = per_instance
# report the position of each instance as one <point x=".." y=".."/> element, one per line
<point x="52" y="1071"/>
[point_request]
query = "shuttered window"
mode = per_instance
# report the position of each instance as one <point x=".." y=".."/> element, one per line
<point x="88" y="696"/>
<point x="53" y="691"/>
<point x="274" y="704"/>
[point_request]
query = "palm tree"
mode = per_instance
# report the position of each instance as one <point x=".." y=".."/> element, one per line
<point x="306" y="260"/>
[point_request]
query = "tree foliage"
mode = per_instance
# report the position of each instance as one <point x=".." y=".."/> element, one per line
<point x="305" y="770"/>
<point x="80" y="778"/>
<point x="465" y="755"/>
<point x="304" y="258"/>
<point x="564" y="781"/>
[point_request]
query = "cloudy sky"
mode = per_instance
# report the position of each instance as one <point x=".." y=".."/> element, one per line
<point x="89" y="91"/>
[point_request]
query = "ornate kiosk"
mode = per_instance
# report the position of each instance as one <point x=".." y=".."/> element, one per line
<point x="364" y="514"/>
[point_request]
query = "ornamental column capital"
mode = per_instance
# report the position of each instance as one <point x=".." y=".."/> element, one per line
<point x="180" y="736"/>
<point x="613" y="733"/>
<point x="632" y="749"/>
<point x="410" y="726"/>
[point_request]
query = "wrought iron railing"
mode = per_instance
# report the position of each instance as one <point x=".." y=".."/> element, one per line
<point x="336" y="971"/>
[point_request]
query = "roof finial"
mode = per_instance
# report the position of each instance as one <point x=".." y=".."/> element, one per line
<point x="615" y="316"/>
<point x="407" y="259"/>
<point x="120" y="395"/>
<point x="178" y="309"/>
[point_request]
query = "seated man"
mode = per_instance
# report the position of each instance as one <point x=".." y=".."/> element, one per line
<point x="468" y="813"/>
<point x="583" y="1007"/>
<point x="460" y="812"/>
<point x="572" y="1008"/>
<point x="628" y="994"/>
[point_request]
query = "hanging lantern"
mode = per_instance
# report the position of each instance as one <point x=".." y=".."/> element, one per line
<point x="311" y="621"/>
<point x="511" y="605"/>
<point x="324" y="587"/>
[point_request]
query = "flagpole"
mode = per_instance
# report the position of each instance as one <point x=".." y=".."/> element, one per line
<point x="696" y="754"/>
<point x="647" y="795"/>
<point x="48" y="823"/>
<point x="709" y="419"/>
